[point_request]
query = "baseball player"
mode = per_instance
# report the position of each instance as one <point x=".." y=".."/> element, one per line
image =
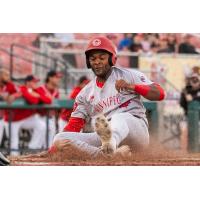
<point x="27" y="119"/>
<point x="66" y="113"/>
<point x="49" y="92"/>
<point x="113" y="101"/>
<point x="5" y="86"/>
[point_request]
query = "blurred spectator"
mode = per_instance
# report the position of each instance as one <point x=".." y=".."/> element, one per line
<point x="126" y="42"/>
<point x="154" y="48"/>
<point x="190" y="92"/>
<point x="113" y="37"/>
<point x="136" y="44"/>
<point x="172" y="42"/>
<point x="66" y="113"/>
<point x="196" y="69"/>
<point x="146" y="44"/>
<point x="187" y="46"/>
<point x="164" y="47"/>
<point x="153" y="38"/>
<point x="49" y="92"/>
<point x="136" y="47"/>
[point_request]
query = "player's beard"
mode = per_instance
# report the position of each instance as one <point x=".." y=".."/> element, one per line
<point x="5" y="81"/>
<point x="103" y="72"/>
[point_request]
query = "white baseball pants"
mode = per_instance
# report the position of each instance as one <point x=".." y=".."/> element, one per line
<point x="126" y="129"/>
<point x="33" y="122"/>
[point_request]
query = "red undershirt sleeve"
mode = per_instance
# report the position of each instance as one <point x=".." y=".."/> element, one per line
<point x="75" y="124"/>
<point x="144" y="89"/>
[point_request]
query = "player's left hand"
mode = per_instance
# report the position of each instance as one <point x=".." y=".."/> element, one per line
<point x="122" y="85"/>
<point x="62" y="145"/>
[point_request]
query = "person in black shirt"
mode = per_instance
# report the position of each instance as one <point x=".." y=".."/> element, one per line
<point x="190" y="92"/>
<point x="187" y="46"/>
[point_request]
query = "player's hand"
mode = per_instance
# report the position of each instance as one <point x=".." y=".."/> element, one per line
<point x="35" y="94"/>
<point x="3" y="96"/>
<point x="62" y="145"/>
<point x="122" y="85"/>
<point x="188" y="97"/>
<point x="10" y="99"/>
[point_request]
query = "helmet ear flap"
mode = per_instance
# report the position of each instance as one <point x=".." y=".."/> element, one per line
<point x="88" y="63"/>
<point x="110" y="60"/>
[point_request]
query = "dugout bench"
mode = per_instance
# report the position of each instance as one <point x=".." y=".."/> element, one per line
<point x="58" y="104"/>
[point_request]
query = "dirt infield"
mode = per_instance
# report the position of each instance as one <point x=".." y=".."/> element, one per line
<point x="154" y="156"/>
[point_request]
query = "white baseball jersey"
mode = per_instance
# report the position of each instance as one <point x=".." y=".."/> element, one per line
<point x="92" y="100"/>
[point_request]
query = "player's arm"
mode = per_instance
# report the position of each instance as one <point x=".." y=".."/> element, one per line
<point x="137" y="82"/>
<point x="30" y="97"/>
<point x="153" y="92"/>
<point x="44" y="98"/>
<point x="78" y="116"/>
<point x="75" y="124"/>
<point x="12" y="92"/>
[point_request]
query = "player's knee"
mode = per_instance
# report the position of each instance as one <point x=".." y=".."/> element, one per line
<point x="59" y="136"/>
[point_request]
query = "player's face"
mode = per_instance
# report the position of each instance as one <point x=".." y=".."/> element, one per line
<point x="55" y="81"/>
<point x="195" y="83"/>
<point x="5" y="77"/>
<point x="32" y="84"/>
<point x="99" y="63"/>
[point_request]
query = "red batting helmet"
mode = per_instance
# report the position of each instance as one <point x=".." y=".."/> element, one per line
<point x="101" y="43"/>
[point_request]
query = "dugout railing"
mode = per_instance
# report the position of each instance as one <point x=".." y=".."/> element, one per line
<point x="151" y="107"/>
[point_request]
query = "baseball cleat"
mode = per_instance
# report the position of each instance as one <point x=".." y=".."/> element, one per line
<point x="123" y="151"/>
<point x="103" y="129"/>
<point x="3" y="160"/>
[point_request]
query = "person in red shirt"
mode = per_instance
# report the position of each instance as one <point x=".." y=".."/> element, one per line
<point x="3" y="96"/>
<point x="66" y="113"/>
<point x="48" y="92"/>
<point x="26" y="119"/>
<point x="5" y="86"/>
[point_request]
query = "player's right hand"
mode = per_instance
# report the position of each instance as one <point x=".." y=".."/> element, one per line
<point x="122" y="85"/>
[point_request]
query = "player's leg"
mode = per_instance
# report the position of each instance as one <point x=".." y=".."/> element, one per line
<point x="87" y="142"/>
<point x="138" y="135"/>
<point x="133" y="129"/>
<point x="14" y="136"/>
<point x="39" y="131"/>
